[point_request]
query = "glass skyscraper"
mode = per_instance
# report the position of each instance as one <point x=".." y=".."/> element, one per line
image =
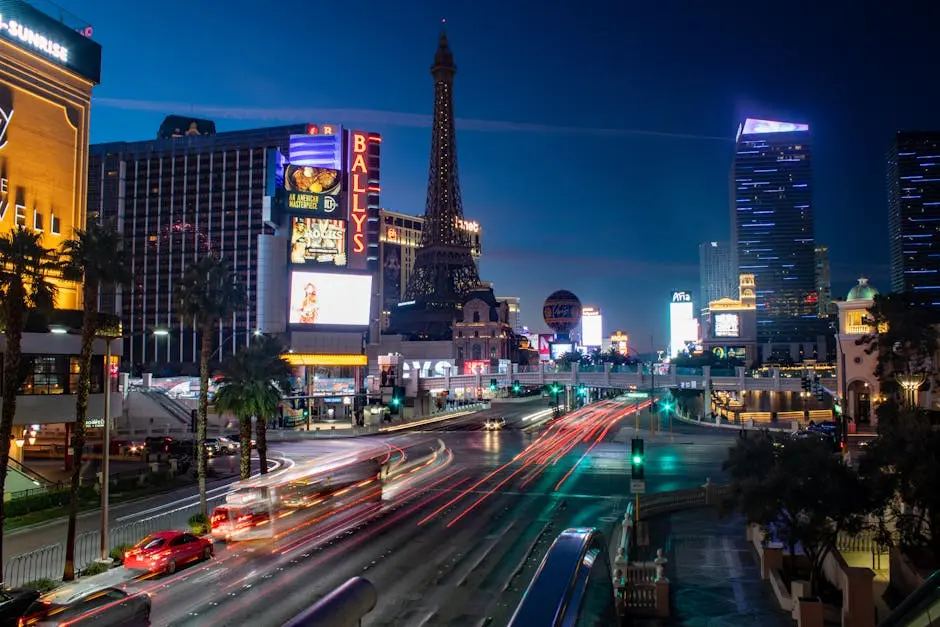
<point x="914" y="214"/>
<point x="772" y="227"/>
<point x="717" y="274"/>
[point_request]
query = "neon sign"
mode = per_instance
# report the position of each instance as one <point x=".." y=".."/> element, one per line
<point x="359" y="173"/>
<point x="37" y="41"/>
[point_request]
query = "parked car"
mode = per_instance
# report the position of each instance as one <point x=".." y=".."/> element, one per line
<point x="101" y="607"/>
<point x="221" y="446"/>
<point x="158" y="444"/>
<point x="494" y="424"/>
<point x="13" y="605"/>
<point x="165" y="551"/>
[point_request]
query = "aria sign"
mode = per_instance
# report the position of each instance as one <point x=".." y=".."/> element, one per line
<point x="681" y="297"/>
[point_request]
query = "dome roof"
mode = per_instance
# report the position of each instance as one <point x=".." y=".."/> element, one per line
<point x="862" y="291"/>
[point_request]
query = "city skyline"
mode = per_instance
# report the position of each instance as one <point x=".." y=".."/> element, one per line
<point x="647" y="145"/>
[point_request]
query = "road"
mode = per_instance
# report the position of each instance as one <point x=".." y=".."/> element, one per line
<point x="458" y="543"/>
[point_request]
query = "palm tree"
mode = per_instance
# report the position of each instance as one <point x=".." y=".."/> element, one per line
<point x="25" y="266"/>
<point x="95" y="258"/>
<point x="276" y="372"/>
<point x="251" y="385"/>
<point x="208" y="292"/>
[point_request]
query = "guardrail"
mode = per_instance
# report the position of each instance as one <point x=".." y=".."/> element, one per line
<point x="48" y="562"/>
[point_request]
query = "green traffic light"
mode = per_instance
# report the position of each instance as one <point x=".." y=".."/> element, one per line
<point x="395" y="402"/>
<point x="637" y="460"/>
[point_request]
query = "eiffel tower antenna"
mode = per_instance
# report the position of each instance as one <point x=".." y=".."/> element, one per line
<point x="444" y="271"/>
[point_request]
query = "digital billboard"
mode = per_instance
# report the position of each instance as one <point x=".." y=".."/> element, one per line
<point x="322" y="298"/>
<point x="311" y="188"/>
<point x="69" y="47"/>
<point x="592" y="328"/>
<point x="560" y="349"/>
<point x="727" y="325"/>
<point x="318" y="241"/>
<point x="476" y="366"/>
<point x="683" y="328"/>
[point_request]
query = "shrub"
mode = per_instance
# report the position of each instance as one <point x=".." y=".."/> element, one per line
<point x="199" y="524"/>
<point x="41" y="585"/>
<point x="95" y="568"/>
<point x="117" y="553"/>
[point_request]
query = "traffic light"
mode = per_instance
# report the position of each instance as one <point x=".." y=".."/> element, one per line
<point x="582" y="391"/>
<point x="516" y="387"/>
<point x="637" y="459"/>
<point x="555" y="389"/>
<point x="667" y="406"/>
<point x="398" y="398"/>
<point x="493" y="385"/>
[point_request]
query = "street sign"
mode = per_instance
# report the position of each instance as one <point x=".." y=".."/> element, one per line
<point x="638" y="394"/>
<point x="638" y="486"/>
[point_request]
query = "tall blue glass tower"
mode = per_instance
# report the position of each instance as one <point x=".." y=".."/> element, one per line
<point x="772" y="227"/>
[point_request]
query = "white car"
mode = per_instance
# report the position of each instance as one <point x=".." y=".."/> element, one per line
<point x="494" y="424"/>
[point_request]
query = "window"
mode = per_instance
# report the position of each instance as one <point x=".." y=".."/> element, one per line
<point x="20" y="215"/>
<point x="55" y="225"/>
<point x="45" y="374"/>
<point x="477" y="352"/>
<point x="492" y="352"/>
<point x="37" y="220"/>
<point x="476" y="316"/>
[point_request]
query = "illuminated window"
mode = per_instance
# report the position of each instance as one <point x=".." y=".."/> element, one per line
<point x="37" y="220"/>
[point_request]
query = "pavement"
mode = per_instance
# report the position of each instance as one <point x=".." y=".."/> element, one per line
<point x="713" y="574"/>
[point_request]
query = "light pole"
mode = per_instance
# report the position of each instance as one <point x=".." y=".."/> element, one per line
<point x="106" y="437"/>
<point x="911" y="382"/>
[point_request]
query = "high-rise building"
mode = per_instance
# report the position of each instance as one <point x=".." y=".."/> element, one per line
<point x="772" y="228"/>
<point x="444" y="273"/>
<point x="513" y="312"/>
<point x="913" y="214"/>
<point x="399" y="238"/>
<point x="717" y="275"/>
<point x="823" y="282"/>
<point x="252" y="198"/>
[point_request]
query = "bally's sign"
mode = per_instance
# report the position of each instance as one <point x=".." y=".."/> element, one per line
<point x="427" y="367"/>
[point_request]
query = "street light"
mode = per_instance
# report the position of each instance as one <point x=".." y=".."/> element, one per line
<point x="108" y="337"/>
<point x="911" y="382"/>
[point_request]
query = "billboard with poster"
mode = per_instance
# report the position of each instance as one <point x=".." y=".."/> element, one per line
<point x="476" y="366"/>
<point x="318" y="241"/>
<point x="329" y="299"/>
<point x="560" y="349"/>
<point x="545" y="343"/>
<point x="311" y="188"/>
<point x="727" y="325"/>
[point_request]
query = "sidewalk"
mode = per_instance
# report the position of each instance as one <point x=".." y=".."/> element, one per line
<point x="714" y="578"/>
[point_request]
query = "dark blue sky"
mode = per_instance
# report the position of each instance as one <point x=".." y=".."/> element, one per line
<point x="595" y="138"/>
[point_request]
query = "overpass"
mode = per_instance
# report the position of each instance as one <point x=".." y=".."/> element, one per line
<point x="640" y="377"/>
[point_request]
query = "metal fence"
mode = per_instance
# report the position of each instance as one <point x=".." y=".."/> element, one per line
<point x="48" y="562"/>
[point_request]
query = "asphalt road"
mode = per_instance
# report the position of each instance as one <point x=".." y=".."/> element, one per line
<point x="455" y="543"/>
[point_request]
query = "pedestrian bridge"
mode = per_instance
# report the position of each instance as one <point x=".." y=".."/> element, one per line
<point x="642" y="377"/>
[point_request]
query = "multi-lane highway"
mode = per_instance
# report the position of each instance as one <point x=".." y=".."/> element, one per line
<point x="455" y="542"/>
<point x="456" y="539"/>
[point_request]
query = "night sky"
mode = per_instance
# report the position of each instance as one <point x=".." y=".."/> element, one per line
<point x="595" y="138"/>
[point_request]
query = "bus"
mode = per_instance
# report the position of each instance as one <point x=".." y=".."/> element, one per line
<point x="253" y="506"/>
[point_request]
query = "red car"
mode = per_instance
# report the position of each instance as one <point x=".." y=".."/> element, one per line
<point x="165" y="551"/>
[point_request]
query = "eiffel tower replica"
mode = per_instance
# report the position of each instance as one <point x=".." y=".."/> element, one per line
<point x="444" y="273"/>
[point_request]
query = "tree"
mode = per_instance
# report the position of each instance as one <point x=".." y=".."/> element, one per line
<point x="275" y="372"/>
<point x="25" y="268"/>
<point x="799" y="493"/>
<point x="208" y="292"/>
<point x="251" y="386"/>
<point x="903" y="464"/>
<point x="94" y="258"/>
<point x="905" y="337"/>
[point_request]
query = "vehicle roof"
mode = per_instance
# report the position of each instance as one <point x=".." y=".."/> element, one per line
<point x="165" y="535"/>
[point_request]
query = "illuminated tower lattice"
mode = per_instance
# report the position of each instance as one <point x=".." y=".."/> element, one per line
<point x="444" y="272"/>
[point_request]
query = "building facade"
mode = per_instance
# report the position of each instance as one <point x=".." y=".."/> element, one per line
<point x="482" y="332"/>
<point x="824" y="305"/>
<point x="730" y="325"/>
<point x="717" y="275"/>
<point x="772" y="229"/>
<point x="857" y="383"/>
<point x="913" y="213"/>
<point x="514" y="303"/>
<point x="399" y="238"/>
<point x="48" y="69"/>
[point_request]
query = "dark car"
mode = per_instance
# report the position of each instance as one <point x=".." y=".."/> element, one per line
<point x="828" y="439"/>
<point x="13" y="605"/>
<point x="102" y="607"/>
<point x="158" y="444"/>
